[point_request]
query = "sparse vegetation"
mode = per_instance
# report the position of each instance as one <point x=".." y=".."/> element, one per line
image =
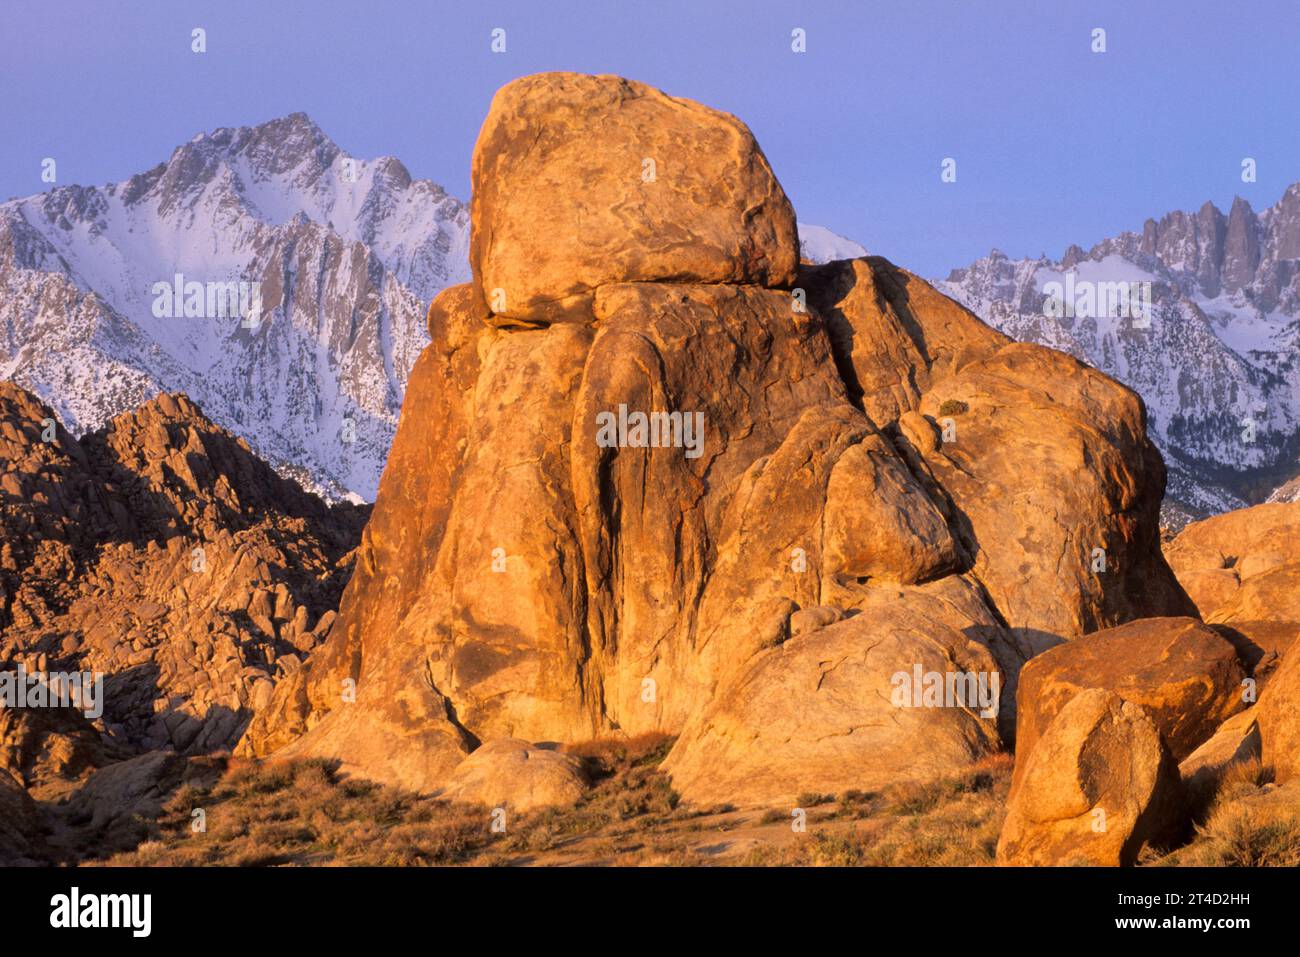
<point x="308" y="813"/>
<point x="269" y="814"/>
<point x="951" y="822"/>
<point x="812" y="799"/>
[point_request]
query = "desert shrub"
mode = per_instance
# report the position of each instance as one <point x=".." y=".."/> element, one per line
<point x="1238" y="835"/>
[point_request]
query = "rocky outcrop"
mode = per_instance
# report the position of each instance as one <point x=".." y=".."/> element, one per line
<point x="115" y="796"/>
<point x="47" y="749"/>
<point x="1036" y="442"/>
<point x="1098" y="785"/>
<point x="1242" y="565"/>
<point x="19" y="824"/>
<point x="1242" y="570"/>
<point x="893" y="334"/>
<point x="851" y="706"/>
<point x="671" y="480"/>
<point x="163" y="555"/>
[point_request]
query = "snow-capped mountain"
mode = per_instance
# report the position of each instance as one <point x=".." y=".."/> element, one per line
<point x="107" y="294"/>
<point x="97" y="313"/>
<point x="1211" y="338"/>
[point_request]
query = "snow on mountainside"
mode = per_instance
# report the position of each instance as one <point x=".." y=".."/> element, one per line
<point x="348" y="254"/>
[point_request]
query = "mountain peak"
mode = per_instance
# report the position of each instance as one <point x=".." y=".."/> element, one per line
<point x="272" y="148"/>
<point x="270" y="203"/>
<point x="1240" y="203"/>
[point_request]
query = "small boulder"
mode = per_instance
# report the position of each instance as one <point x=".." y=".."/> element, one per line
<point x="516" y="775"/>
<point x="807" y="620"/>
<point x="1098" y="786"/>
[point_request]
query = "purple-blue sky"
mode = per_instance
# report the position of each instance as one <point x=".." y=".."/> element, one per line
<point x="1054" y="144"/>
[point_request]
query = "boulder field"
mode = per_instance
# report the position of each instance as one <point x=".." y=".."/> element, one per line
<point x="654" y="474"/>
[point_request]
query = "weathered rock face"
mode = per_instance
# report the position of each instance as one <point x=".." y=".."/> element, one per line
<point x="515" y="775"/>
<point x="614" y="524"/>
<point x="1243" y="570"/>
<point x="19" y="824"/>
<point x="137" y="787"/>
<point x="161" y="553"/>
<point x="846" y="706"/>
<point x="46" y="749"/>
<point x="1037" y="442"/>
<point x="1098" y="786"/>
<point x="985" y="414"/>
<point x="582" y="180"/>
<point x="893" y="334"/>
<point x="1242" y="565"/>
<point x="1279" y="721"/>
<point x="1236" y="740"/>
<point x="1186" y="677"/>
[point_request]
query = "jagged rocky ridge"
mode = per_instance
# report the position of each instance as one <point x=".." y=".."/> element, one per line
<point x="160" y="552"/>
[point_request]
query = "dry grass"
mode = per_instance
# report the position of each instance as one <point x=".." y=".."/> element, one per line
<point x="951" y="822"/>
<point x="306" y="813"/>
<point x="1238" y="822"/>
<point x="1238" y="835"/>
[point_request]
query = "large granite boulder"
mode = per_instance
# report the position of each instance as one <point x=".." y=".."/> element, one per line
<point x="579" y="181"/>
<point x="1182" y="672"/>
<point x="1242" y="565"/>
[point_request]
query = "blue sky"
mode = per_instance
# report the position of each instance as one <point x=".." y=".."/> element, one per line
<point x="1054" y="144"/>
